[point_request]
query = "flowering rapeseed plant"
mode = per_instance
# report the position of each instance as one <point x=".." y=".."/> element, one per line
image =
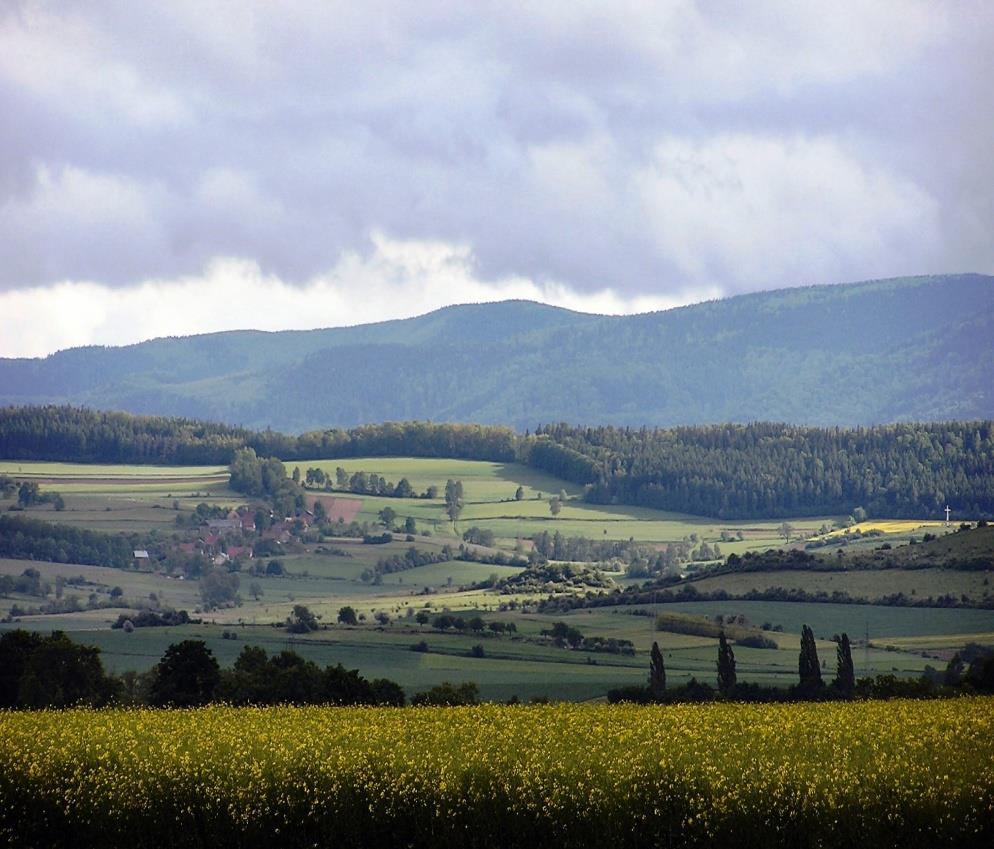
<point x="897" y="773"/>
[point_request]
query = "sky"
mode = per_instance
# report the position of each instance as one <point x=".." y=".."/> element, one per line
<point x="198" y="165"/>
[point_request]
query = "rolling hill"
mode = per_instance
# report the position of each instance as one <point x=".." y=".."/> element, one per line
<point x="904" y="349"/>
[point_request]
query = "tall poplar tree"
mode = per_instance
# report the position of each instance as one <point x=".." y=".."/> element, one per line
<point x="808" y="667"/>
<point x="726" y="666"/>
<point x="845" y="673"/>
<point x="657" y="671"/>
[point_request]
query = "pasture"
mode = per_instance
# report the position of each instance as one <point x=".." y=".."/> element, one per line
<point x="916" y="584"/>
<point x="883" y="623"/>
<point x="336" y="573"/>
<point x="131" y="497"/>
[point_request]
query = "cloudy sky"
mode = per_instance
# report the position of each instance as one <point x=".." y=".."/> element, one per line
<point x="173" y="168"/>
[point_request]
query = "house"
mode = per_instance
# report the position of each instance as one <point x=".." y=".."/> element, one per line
<point x="278" y="533"/>
<point x="141" y="558"/>
<point x="224" y="526"/>
<point x="239" y="551"/>
<point x="210" y="543"/>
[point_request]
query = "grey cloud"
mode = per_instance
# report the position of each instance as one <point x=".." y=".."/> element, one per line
<point x="144" y="140"/>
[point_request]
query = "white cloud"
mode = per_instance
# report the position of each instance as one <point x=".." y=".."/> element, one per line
<point x="578" y="142"/>
<point x="775" y="47"/>
<point x="74" y="195"/>
<point x="84" y="217"/>
<point x="65" y="60"/>
<point x="398" y="279"/>
<point x="757" y="208"/>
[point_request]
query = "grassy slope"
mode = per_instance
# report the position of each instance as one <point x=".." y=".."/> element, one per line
<point x="873" y="572"/>
<point x="916" y="583"/>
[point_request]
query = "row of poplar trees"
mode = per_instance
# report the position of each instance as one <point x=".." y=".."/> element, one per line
<point x="810" y="684"/>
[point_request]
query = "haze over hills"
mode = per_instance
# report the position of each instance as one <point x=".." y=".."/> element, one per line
<point x="917" y="348"/>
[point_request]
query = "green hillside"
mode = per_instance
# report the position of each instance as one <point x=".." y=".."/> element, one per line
<point x="894" y="350"/>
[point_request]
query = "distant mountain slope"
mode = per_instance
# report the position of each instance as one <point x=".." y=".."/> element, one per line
<point x="917" y="348"/>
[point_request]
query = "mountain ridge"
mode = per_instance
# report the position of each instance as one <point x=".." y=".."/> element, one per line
<point x="854" y="353"/>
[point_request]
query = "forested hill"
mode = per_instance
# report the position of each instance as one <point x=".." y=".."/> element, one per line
<point x="758" y="470"/>
<point x="775" y="470"/>
<point x="895" y="350"/>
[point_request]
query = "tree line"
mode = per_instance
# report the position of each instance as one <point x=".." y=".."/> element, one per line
<point x="776" y="470"/>
<point x="730" y="471"/>
<point x="969" y="672"/>
<point x="23" y="538"/>
<point x="659" y="593"/>
<point x="80" y="435"/>
<point x="54" y="671"/>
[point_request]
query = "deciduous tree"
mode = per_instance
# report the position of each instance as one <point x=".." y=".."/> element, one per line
<point x="187" y="676"/>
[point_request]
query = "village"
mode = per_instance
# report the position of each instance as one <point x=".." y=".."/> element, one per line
<point x="234" y="538"/>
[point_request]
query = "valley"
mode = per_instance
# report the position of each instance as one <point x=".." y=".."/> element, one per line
<point x="327" y="572"/>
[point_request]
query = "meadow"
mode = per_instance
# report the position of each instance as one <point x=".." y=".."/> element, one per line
<point x="328" y="576"/>
<point x="527" y="665"/>
<point x="128" y="497"/>
<point x="883" y="774"/>
<point x="917" y="584"/>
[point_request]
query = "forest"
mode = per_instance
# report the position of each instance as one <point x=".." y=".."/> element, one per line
<point x="916" y="350"/>
<point x="34" y="539"/>
<point x="729" y="471"/>
<point x="80" y="435"/>
<point x="777" y="470"/>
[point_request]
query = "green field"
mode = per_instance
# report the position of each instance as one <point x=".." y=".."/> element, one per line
<point x="38" y="469"/>
<point x="123" y="497"/>
<point x="482" y="481"/>
<point x="870" y="584"/>
<point x="489" y="500"/>
<point x="828" y="619"/>
<point x="527" y="665"/>
<point x="328" y="576"/>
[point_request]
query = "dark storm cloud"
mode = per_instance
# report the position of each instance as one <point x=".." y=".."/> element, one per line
<point x="647" y="148"/>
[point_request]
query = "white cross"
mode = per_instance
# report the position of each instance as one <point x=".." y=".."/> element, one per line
<point x="948" y="511"/>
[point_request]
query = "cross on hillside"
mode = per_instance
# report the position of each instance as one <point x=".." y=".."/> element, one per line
<point x="948" y="511"/>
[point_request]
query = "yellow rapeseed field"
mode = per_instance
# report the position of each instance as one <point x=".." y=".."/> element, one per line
<point x="898" y="773"/>
<point x="890" y="526"/>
